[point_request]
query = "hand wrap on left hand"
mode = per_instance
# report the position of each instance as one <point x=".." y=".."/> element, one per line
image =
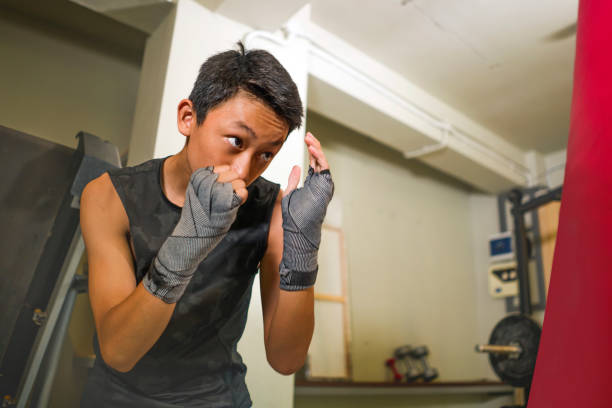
<point x="303" y="213"/>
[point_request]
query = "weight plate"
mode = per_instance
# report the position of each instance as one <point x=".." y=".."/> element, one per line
<point x="516" y="330"/>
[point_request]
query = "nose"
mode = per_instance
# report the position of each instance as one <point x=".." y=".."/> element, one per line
<point x="242" y="164"/>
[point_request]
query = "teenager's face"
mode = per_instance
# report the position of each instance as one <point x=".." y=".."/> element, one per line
<point x="242" y="132"/>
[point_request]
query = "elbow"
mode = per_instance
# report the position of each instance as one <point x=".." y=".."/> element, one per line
<point x="116" y="361"/>
<point x="287" y="370"/>
<point x="287" y="366"/>
<point x="123" y="368"/>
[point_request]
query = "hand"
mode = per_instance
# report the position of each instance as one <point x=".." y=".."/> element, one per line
<point x="227" y="175"/>
<point x="303" y="211"/>
<point x="212" y="199"/>
<point x="317" y="160"/>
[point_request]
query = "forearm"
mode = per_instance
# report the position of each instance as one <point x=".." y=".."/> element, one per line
<point x="303" y="211"/>
<point x="291" y="330"/>
<point x="131" y="328"/>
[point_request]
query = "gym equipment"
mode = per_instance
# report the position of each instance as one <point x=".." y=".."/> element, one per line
<point x="513" y="348"/>
<point x="513" y="344"/>
<point x="518" y="210"/>
<point x="39" y="198"/>
<point x="391" y="363"/>
<point x="402" y="355"/>
<point x="420" y="354"/>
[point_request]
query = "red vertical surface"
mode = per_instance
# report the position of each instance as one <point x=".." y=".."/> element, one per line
<point x="574" y="366"/>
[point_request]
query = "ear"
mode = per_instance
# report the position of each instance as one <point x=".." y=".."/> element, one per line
<point x="186" y="117"/>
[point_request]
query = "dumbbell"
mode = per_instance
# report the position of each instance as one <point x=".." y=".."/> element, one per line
<point x="420" y="353"/>
<point x="402" y="354"/>
<point x="391" y="364"/>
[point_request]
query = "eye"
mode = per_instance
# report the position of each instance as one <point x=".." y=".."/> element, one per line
<point x="234" y="141"/>
<point x="267" y="156"/>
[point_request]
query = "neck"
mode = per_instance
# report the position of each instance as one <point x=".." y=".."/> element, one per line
<point x="175" y="176"/>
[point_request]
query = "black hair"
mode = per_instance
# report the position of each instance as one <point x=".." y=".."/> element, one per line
<point x="256" y="72"/>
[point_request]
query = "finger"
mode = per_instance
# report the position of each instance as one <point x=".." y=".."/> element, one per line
<point x="239" y="187"/>
<point x="294" y="179"/>
<point x="321" y="161"/>
<point x="312" y="160"/>
<point x="308" y="142"/>
<point x="243" y="193"/>
<point x="238" y="184"/>
<point x="227" y="176"/>
<point x="221" y="169"/>
<point x="313" y="140"/>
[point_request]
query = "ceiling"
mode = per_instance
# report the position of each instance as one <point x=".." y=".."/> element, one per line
<point x="506" y="64"/>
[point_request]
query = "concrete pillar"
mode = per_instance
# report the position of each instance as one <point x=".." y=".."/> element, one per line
<point x="261" y="378"/>
<point x="150" y="91"/>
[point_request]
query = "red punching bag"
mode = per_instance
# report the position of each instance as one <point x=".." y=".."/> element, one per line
<point x="574" y="365"/>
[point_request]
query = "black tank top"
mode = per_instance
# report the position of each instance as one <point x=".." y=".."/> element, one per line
<point x="195" y="362"/>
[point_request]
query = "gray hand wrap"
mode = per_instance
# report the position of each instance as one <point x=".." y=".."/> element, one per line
<point x="210" y="209"/>
<point x="303" y="213"/>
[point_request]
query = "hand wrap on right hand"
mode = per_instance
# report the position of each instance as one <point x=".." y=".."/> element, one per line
<point x="210" y="209"/>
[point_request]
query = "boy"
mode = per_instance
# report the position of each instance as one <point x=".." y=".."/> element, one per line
<point x="174" y="245"/>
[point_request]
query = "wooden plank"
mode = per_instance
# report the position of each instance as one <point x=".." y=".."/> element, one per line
<point x="346" y="316"/>
<point x="332" y="260"/>
<point x="329" y="298"/>
<point x="348" y="388"/>
<point x="549" y="221"/>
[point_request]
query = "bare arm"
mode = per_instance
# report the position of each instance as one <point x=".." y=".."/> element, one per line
<point x="129" y="320"/>
<point x="289" y="312"/>
<point x="288" y="316"/>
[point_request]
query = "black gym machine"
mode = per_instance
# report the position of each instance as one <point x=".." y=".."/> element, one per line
<point x="40" y="252"/>
<point x="513" y="344"/>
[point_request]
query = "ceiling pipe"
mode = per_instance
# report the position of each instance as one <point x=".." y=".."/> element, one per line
<point x="447" y="130"/>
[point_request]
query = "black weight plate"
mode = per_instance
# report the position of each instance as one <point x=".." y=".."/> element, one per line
<point x="516" y="330"/>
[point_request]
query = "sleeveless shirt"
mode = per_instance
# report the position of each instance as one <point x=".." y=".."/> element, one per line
<point x="195" y="362"/>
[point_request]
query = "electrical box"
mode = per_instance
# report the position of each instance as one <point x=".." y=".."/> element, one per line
<point x="501" y="247"/>
<point x="503" y="279"/>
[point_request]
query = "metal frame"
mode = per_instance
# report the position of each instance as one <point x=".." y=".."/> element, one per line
<point x="93" y="157"/>
<point x="518" y="211"/>
<point x="35" y="387"/>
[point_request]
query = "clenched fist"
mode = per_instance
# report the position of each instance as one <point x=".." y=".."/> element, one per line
<point x="212" y="199"/>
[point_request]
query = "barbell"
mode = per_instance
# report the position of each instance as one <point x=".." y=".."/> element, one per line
<point x="513" y="349"/>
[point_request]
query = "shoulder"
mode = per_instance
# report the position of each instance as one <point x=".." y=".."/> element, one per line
<point x="133" y="185"/>
<point x="99" y="191"/>
<point x="142" y="168"/>
<point x="101" y="205"/>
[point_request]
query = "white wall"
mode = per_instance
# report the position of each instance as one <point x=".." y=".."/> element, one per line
<point x="555" y="168"/>
<point x="410" y="256"/>
<point x="52" y="86"/>
<point x="484" y="222"/>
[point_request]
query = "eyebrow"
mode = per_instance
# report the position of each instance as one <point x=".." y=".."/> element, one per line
<point x="247" y="128"/>
<point x="254" y="135"/>
<point x="276" y="143"/>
